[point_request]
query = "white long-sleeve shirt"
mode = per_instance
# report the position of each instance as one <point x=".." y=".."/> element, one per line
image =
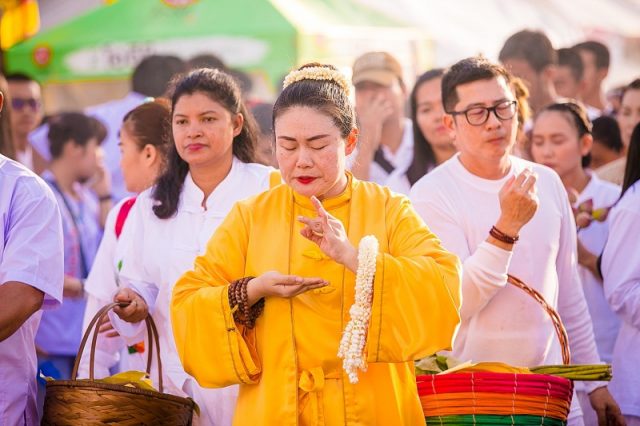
<point x="605" y="322"/>
<point x="621" y="272"/>
<point x="499" y="321"/>
<point x="103" y="281"/>
<point x="161" y="250"/>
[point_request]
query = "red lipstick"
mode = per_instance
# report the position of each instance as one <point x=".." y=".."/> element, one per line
<point x="305" y="180"/>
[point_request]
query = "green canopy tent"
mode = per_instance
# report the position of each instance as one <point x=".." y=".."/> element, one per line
<point x="263" y="37"/>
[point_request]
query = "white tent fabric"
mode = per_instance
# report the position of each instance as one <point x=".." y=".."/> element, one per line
<point x="463" y="28"/>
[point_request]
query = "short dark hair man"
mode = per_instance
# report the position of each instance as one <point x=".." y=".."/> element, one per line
<point x="595" y="59"/>
<point x="504" y="215"/>
<point x="568" y="77"/>
<point x="26" y="114"/>
<point x="530" y="55"/>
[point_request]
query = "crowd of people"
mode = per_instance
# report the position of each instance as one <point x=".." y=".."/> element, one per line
<point x="247" y="230"/>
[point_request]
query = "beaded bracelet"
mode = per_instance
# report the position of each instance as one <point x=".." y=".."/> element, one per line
<point x="244" y="314"/>
<point x="501" y="236"/>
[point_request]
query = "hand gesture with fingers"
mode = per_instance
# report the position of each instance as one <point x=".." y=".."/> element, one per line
<point x="329" y="234"/>
<point x="133" y="309"/>
<point x="518" y="202"/>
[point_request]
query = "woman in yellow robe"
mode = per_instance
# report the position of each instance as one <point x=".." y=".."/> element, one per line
<point x="302" y="253"/>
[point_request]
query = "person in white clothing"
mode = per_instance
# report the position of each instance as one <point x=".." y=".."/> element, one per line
<point x="621" y="272"/>
<point x="144" y="143"/>
<point x="432" y="141"/>
<point x="386" y="135"/>
<point x="561" y="139"/>
<point x="209" y="169"/>
<point x="504" y="215"/>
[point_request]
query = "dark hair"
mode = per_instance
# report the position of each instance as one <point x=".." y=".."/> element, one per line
<point x="606" y="131"/>
<point x="6" y="138"/>
<point x="221" y="88"/>
<point x="634" y="85"/>
<point x="20" y="77"/>
<point x="150" y="124"/>
<point x="578" y="118"/>
<point x="424" y="158"/>
<point x="467" y="71"/>
<point x="534" y="47"/>
<point x="152" y="75"/>
<point x="569" y="57"/>
<point x="263" y="114"/>
<point x="327" y="96"/>
<point x="206" y="60"/>
<point x="632" y="169"/>
<point x="243" y="79"/>
<point x="73" y="127"/>
<point x="599" y="50"/>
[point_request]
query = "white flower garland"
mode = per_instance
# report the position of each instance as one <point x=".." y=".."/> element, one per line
<point x="354" y="335"/>
<point x="317" y="73"/>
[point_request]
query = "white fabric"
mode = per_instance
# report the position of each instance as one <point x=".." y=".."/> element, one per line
<point x="621" y="271"/>
<point x="499" y="321"/>
<point x="102" y="282"/>
<point x="26" y="157"/>
<point x="605" y="322"/>
<point x="165" y="249"/>
<point x="401" y="160"/>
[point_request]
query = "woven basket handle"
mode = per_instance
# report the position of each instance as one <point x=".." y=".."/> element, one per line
<point x="152" y="334"/>
<point x="561" y="332"/>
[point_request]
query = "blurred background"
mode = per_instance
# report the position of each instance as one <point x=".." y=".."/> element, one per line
<point x="83" y="51"/>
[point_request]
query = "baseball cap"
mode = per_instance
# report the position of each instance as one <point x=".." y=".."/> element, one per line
<point x="378" y="67"/>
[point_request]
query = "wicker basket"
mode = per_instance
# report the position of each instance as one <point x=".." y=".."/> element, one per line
<point x="489" y="398"/>
<point x="88" y="403"/>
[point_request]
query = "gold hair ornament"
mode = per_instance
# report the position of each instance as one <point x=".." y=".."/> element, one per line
<point x="317" y="73"/>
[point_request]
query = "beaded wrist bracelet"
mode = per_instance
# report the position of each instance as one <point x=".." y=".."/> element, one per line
<point x="244" y="314"/>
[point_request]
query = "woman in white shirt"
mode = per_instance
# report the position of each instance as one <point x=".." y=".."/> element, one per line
<point x="209" y="169"/>
<point x="144" y="143"/>
<point x="561" y="139"/>
<point x="432" y="141"/>
<point x="621" y="272"/>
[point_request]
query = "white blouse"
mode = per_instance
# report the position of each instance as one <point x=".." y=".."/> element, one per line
<point x="161" y="250"/>
<point x="621" y="271"/>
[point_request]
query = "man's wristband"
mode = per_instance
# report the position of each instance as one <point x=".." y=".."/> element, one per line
<point x="501" y="236"/>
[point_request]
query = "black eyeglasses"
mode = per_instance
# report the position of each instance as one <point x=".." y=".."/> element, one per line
<point x="20" y="103"/>
<point x="477" y="116"/>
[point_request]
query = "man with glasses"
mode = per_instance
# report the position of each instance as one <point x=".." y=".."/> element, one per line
<point x="504" y="215"/>
<point x="26" y="114"/>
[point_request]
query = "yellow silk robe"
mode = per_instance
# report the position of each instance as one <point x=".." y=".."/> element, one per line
<point x="287" y="367"/>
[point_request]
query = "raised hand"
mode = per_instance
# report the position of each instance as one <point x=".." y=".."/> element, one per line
<point x="372" y="112"/>
<point x="329" y="234"/>
<point x="518" y="203"/>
